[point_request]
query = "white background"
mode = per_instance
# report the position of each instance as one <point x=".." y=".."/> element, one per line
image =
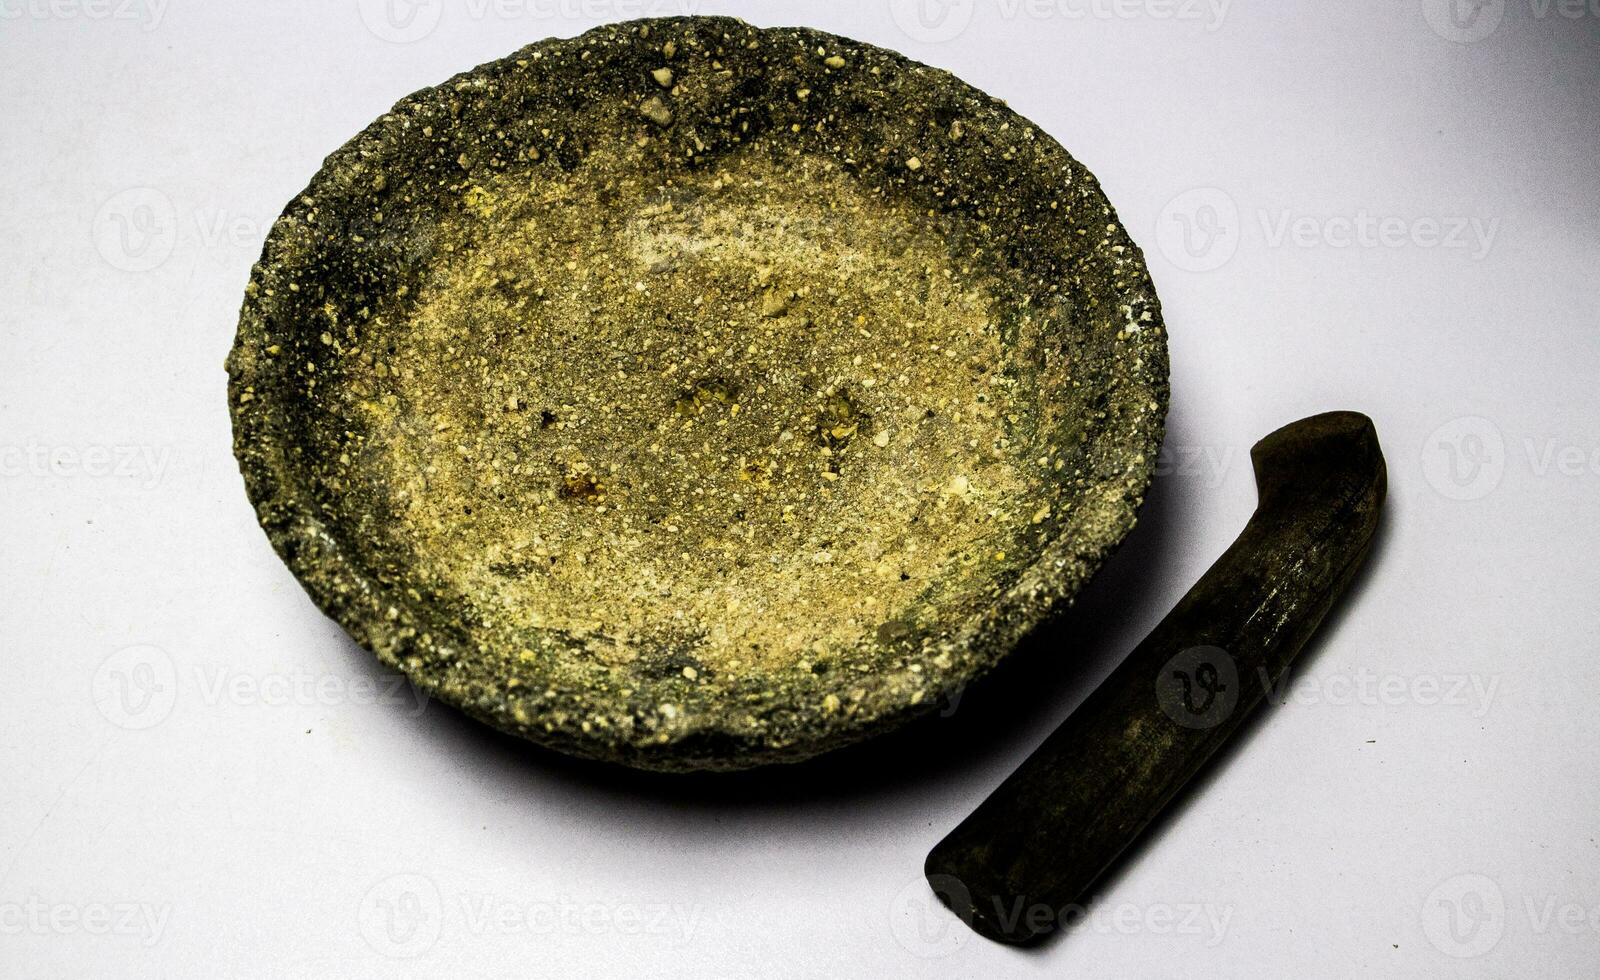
<point x="200" y="776"/>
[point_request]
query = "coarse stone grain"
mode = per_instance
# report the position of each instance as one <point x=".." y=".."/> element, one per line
<point x="697" y="418"/>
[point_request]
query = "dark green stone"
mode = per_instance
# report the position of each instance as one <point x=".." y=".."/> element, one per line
<point x="1020" y="864"/>
<point x="694" y="396"/>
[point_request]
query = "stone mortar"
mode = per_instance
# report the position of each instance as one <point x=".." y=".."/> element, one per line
<point x="696" y="396"/>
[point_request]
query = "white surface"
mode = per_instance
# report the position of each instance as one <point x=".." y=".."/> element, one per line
<point x="199" y="779"/>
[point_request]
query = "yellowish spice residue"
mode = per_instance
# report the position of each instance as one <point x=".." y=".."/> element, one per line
<point x="760" y="414"/>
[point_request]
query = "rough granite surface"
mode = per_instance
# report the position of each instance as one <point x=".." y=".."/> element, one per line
<point x="696" y="396"/>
